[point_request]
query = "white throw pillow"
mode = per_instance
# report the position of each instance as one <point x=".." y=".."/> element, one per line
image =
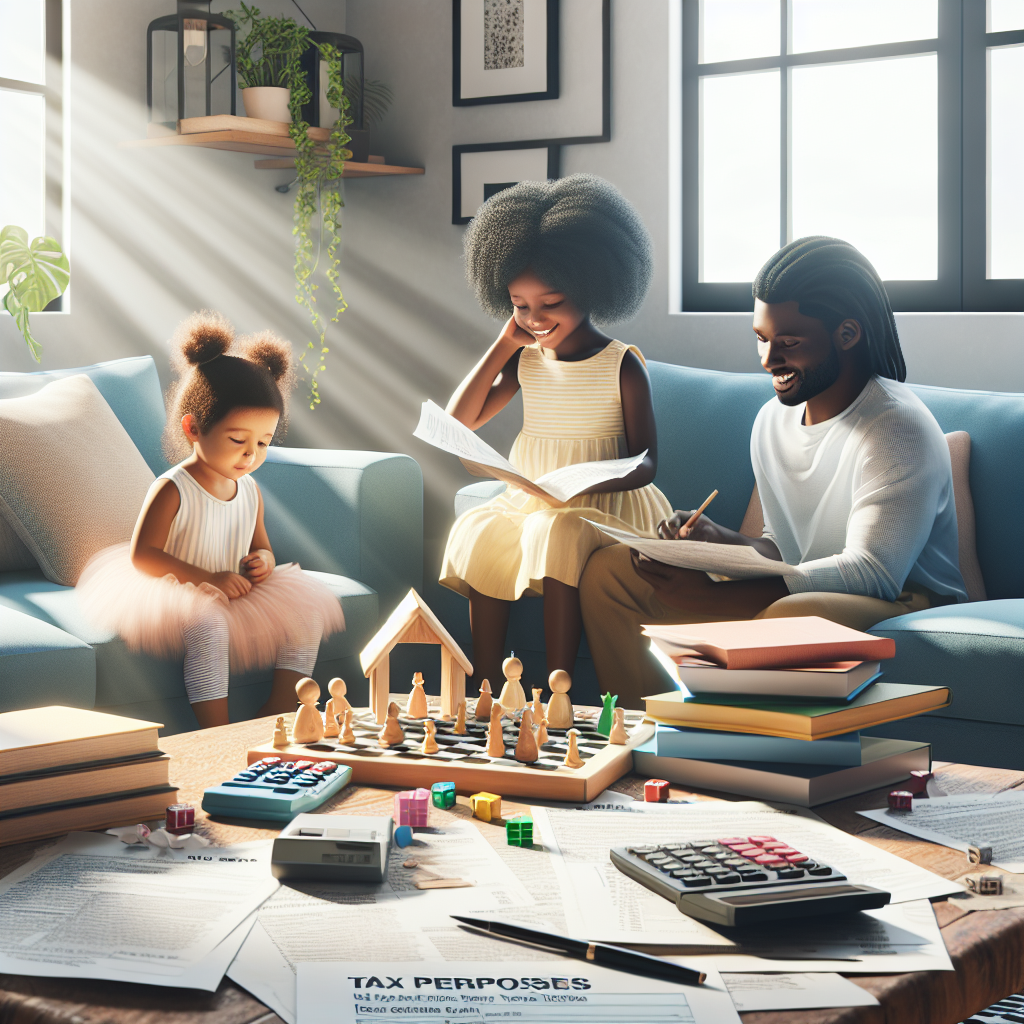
<point x="72" y="481"/>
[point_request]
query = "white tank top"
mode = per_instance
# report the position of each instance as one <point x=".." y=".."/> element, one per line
<point x="209" y="533"/>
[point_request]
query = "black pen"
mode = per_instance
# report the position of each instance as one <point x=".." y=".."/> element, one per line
<point x="596" y="952"/>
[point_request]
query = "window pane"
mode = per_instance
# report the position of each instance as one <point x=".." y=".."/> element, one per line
<point x="1005" y="15"/>
<point x="835" y="24"/>
<point x="739" y="175"/>
<point x="737" y="29"/>
<point x="1006" y="161"/>
<point x="22" y="179"/>
<point x="865" y="160"/>
<point x="23" y="40"/>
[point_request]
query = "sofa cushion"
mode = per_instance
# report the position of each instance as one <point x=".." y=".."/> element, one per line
<point x="13" y="553"/>
<point x="975" y="649"/>
<point x="41" y="664"/>
<point x="65" y="506"/>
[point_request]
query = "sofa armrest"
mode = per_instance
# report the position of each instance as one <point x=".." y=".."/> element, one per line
<point x="477" y="494"/>
<point x="356" y="514"/>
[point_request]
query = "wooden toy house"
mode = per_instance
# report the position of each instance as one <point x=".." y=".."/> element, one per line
<point x="412" y="622"/>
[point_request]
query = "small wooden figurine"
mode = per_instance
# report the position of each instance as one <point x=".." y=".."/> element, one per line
<point x="618" y="734"/>
<point x="536" y="705"/>
<point x="526" y="745"/>
<point x="392" y="732"/>
<point x="459" y="728"/>
<point x="417" y="706"/>
<point x="348" y="736"/>
<point x="280" y="733"/>
<point x="604" y="723"/>
<point x="335" y="706"/>
<point x="483" y="702"/>
<point x="429" y="745"/>
<point x="559" y="713"/>
<point x="572" y="755"/>
<point x="513" y="697"/>
<point x="542" y="733"/>
<point x="309" y="726"/>
<point x="495" y="737"/>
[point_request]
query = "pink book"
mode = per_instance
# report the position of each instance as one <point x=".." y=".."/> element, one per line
<point x="772" y="643"/>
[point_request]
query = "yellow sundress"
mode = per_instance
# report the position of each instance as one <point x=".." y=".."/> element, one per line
<point x="572" y="412"/>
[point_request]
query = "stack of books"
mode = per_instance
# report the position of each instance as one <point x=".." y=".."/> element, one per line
<point x="774" y="708"/>
<point x="65" y="769"/>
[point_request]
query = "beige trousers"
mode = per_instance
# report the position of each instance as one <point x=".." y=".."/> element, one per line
<point x="616" y="602"/>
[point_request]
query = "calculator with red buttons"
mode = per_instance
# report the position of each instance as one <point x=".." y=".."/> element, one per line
<point x="276" y="790"/>
<point x="743" y="880"/>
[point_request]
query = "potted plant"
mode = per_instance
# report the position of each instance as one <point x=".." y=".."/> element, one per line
<point x="267" y="58"/>
<point x="35" y="273"/>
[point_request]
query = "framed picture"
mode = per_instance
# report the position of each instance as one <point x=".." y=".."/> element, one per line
<point x="481" y="170"/>
<point x="504" y="51"/>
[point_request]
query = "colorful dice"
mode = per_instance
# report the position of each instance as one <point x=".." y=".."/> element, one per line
<point x="181" y="818"/>
<point x="443" y="794"/>
<point x="901" y="800"/>
<point x="486" y="806"/>
<point x="412" y="807"/>
<point x="655" y="791"/>
<point x="519" y="830"/>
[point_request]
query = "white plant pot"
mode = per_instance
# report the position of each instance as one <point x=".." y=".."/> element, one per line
<point x="269" y="103"/>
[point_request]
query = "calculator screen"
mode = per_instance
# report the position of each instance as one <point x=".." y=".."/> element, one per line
<point x="350" y="854"/>
<point x="805" y="892"/>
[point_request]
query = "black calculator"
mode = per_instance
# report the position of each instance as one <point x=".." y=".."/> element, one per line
<point x="742" y="880"/>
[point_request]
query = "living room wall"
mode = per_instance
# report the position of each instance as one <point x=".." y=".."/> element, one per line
<point x="156" y="233"/>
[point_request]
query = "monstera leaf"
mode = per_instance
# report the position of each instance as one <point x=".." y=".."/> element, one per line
<point x="35" y="274"/>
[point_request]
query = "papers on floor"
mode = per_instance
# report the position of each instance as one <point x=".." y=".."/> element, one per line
<point x="962" y="821"/>
<point x="436" y="427"/>
<point x="751" y="992"/>
<point x="548" y="992"/>
<point x="93" y="907"/>
<point x="731" y="561"/>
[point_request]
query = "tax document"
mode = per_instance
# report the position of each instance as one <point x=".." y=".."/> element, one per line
<point x="996" y="819"/>
<point x="544" y="992"/>
<point x="94" y="907"/>
<point x="794" y="992"/>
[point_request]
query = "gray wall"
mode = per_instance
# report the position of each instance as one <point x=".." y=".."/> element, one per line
<point x="156" y="233"/>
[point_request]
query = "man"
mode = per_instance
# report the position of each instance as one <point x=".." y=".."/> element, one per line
<point x="852" y="470"/>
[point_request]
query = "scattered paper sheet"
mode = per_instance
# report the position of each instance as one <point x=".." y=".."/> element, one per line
<point x="960" y="821"/>
<point x="93" y="907"/>
<point x="733" y="561"/>
<point x="548" y="992"/>
<point x="794" y="992"/>
<point x="436" y="427"/>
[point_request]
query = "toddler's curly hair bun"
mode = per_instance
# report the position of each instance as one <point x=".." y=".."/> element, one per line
<point x="202" y="336"/>
<point x="273" y="353"/>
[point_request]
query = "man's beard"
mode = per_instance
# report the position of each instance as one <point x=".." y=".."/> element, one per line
<point x="815" y="380"/>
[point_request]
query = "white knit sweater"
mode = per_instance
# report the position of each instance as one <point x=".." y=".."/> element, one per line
<point x="862" y="502"/>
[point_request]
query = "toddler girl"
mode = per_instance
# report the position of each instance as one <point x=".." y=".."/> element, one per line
<point x="555" y="254"/>
<point x="199" y="577"/>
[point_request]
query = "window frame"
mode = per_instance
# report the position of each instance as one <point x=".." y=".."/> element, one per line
<point x="960" y="48"/>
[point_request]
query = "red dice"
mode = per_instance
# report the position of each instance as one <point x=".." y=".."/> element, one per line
<point x="901" y="800"/>
<point x="655" y="791"/>
<point x="181" y="818"/>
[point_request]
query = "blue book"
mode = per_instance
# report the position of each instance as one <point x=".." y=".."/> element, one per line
<point x="711" y="745"/>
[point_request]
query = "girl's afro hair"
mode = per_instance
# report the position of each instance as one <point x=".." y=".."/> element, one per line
<point x="577" y="234"/>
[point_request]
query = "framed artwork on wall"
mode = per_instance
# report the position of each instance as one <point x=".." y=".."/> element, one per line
<point x="483" y="169"/>
<point x="504" y="51"/>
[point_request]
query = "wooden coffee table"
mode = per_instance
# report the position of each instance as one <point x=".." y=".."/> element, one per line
<point x="986" y="948"/>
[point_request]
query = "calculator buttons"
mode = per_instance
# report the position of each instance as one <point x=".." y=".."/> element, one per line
<point x="753" y="876"/>
<point x="789" y="873"/>
<point x="696" y="883"/>
<point x="819" y="870"/>
<point x="731" y="878"/>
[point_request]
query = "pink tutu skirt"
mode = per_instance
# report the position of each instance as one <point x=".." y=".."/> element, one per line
<point x="149" y="612"/>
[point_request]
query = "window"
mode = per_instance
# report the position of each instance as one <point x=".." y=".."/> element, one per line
<point x="895" y="124"/>
<point x="31" y="117"/>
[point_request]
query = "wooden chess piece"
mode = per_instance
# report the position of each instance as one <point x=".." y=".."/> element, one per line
<point x="618" y="733"/>
<point x="483" y="702"/>
<point x="309" y="726"/>
<point x="495" y="735"/>
<point x="526" y="745"/>
<point x="604" y="723"/>
<point x="513" y="697"/>
<point x="347" y="737"/>
<point x="459" y="728"/>
<point x="560" y="713"/>
<point x="429" y="745"/>
<point x="392" y="732"/>
<point x="417" y="706"/>
<point x="536" y="705"/>
<point x="335" y="706"/>
<point x="280" y="733"/>
<point x="572" y="755"/>
<point x="542" y="733"/>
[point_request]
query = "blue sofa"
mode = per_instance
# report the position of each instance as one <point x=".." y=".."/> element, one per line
<point x="704" y="419"/>
<point x="353" y="517"/>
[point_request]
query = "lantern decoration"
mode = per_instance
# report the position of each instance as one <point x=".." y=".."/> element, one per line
<point x="190" y="64"/>
<point x="318" y="112"/>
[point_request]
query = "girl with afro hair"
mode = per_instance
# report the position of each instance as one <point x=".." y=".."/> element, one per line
<point x="550" y="259"/>
<point x="199" y="578"/>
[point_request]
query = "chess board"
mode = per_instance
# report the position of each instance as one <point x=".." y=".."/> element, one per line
<point x="464" y="759"/>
